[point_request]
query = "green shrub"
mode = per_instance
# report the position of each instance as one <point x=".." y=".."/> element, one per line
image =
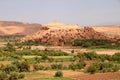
<point x="9" y="47"/>
<point x="16" y="56"/>
<point x="37" y="59"/>
<point x="90" y="55"/>
<point x="57" y="66"/>
<point x="10" y="68"/>
<point x="50" y="59"/>
<point x="21" y="76"/>
<point x="79" y="65"/>
<point x="22" y="66"/>
<point x="103" y="67"/>
<point x="73" y="67"/>
<point x="39" y="67"/>
<point x="3" y="76"/>
<point x="59" y="74"/>
<point x="116" y="57"/>
<point x="91" y="69"/>
<point x="96" y="43"/>
<point x="86" y="56"/>
<point x="44" y="57"/>
<point x="14" y="76"/>
<point x="103" y="57"/>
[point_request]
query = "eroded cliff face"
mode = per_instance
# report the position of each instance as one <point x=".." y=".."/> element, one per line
<point x="58" y="34"/>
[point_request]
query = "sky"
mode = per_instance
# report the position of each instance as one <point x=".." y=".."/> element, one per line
<point x="83" y="12"/>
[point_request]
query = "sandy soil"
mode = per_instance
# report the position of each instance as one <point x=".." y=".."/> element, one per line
<point x="85" y="76"/>
<point x="9" y="30"/>
<point x="113" y="30"/>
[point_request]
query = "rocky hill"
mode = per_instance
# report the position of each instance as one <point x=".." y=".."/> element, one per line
<point x="58" y="34"/>
<point x="18" y="28"/>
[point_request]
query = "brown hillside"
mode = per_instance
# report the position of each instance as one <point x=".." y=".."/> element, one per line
<point x="109" y="30"/>
<point x="18" y="28"/>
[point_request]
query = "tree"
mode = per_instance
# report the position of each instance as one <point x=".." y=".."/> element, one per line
<point x="59" y="74"/>
<point x="22" y="66"/>
<point x="3" y="76"/>
<point x="9" y="47"/>
<point x="91" y="69"/>
<point x="10" y="68"/>
<point x="13" y="76"/>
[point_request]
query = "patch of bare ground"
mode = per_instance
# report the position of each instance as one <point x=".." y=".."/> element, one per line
<point x="109" y="52"/>
<point x="85" y="76"/>
<point x="100" y="76"/>
<point x="5" y="62"/>
<point x="109" y="30"/>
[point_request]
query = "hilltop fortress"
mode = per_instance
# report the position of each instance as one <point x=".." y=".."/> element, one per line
<point x="58" y="25"/>
<point x="59" y="34"/>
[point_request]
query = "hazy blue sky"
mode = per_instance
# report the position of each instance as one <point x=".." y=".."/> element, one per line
<point x="83" y="12"/>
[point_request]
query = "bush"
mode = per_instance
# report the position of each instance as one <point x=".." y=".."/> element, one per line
<point x="16" y="56"/>
<point x="78" y="65"/>
<point x="104" y="57"/>
<point x="91" y="69"/>
<point x="90" y="55"/>
<point x="103" y="67"/>
<point x="44" y="57"/>
<point x="96" y="43"/>
<point x="37" y="59"/>
<point x="9" y="47"/>
<point x="86" y="56"/>
<point x="39" y="67"/>
<point x="3" y="76"/>
<point x="21" y="76"/>
<point x="57" y="66"/>
<point x="13" y="76"/>
<point x="22" y="66"/>
<point x="116" y="57"/>
<point x="72" y="66"/>
<point x="10" y="68"/>
<point x="59" y="74"/>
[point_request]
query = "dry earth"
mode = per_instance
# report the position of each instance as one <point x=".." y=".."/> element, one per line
<point x="18" y="28"/>
<point x="85" y="76"/>
<point x="109" y="30"/>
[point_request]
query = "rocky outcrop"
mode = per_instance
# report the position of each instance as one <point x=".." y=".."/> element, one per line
<point x="59" y="33"/>
<point x="60" y="36"/>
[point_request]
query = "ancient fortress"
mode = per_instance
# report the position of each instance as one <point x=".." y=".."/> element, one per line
<point x="58" y="33"/>
<point x="58" y="25"/>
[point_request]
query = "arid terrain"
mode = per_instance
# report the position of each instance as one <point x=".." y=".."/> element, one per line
<point x="81" y="53"/>
<point x="18" y="28"/>
<point x="59" y="33"/>
<point x="109" y="30"/>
